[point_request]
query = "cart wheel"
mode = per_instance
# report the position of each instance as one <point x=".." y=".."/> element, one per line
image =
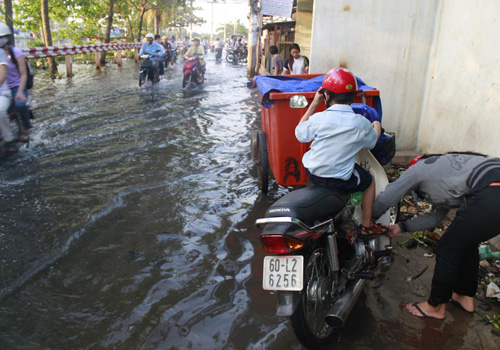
<point x="262" y="162"/>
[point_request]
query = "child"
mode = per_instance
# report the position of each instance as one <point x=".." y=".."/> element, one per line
<point x="338" y="136"/>
<point x="277" y="61"/>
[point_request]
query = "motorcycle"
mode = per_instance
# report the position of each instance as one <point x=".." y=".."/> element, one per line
<point x="233" y="56"/>
<point x="192" y="75"/>
<point x="318" y="262"/>
<point x="148" y="71"/>
<point x="218" y="55"/>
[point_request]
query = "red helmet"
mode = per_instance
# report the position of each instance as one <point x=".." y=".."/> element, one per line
<point x="339" y="80"/>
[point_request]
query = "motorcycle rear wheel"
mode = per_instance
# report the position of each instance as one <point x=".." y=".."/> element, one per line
<point x="231" y="58"/>
<point x="308" y="320"/>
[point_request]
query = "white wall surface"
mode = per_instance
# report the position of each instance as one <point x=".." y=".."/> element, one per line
<point x="387" y="44"/>
<point x="462" y="101"/>
<point x="435" y="62"/>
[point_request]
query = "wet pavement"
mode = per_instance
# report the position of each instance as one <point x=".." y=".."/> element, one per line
<point x="128" y="224"/>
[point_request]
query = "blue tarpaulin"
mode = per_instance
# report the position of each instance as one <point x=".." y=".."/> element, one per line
<point x="280" y="83"/>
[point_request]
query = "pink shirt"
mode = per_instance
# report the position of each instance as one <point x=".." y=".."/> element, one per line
<point x="13" y="77"/>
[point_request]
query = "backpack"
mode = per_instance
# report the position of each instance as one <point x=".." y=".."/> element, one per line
<point x="29" y="82"/>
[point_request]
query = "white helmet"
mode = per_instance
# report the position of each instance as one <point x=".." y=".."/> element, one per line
<point x="4" y="29"/>
<point x="150" y="35"/>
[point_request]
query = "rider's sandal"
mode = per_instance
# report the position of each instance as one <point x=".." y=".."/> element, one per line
<point x="24" y="137"/>
<point x="10" y="147"/>
<point x="374" y="231"/>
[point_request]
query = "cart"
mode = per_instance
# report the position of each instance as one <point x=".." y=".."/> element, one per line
<point x="277" y="152"/>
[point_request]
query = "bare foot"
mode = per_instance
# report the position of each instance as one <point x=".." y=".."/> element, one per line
<point x="465" y="302"/>
<point x="424" y="310"/>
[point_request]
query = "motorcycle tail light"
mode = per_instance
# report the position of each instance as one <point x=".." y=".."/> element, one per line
<point x="280" y="244"/>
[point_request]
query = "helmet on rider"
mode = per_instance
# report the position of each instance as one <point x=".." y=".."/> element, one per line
<point x="4" y="29"/>
<point x="165" y="37"/>
<point x="339" y="80"/>
<point x="173" y="36"/>
<point x="4" y="34"/>
<point x="150" y="36"/>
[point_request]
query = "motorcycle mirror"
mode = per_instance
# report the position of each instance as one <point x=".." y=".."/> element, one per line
<point x="298" y="101"/>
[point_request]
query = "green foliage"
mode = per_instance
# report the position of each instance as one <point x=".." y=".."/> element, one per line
<point x="84" y="21"/>
<point x="229" y="28"/>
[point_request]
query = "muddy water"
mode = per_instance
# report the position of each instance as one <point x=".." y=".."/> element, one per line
<point x="128" y="224"/>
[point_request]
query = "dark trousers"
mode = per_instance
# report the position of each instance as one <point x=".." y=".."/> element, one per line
<point x="22" y="108"/>
<point x="457" y="257"/>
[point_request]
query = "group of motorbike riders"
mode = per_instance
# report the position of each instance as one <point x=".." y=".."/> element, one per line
<point x="163" y="52"/>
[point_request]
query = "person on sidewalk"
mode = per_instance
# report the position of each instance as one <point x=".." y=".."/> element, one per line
<point x="470" y="182"/>
<point x="339" y="134"/>
<point x="277" y="61"/>
<point x="296" y="64"/>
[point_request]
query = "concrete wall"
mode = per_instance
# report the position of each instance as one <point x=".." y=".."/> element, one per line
<point x="387" y="44"/>
<point x="303" y="26"/>
<point x="462" y="101"/>
<point x="436" y="63"/>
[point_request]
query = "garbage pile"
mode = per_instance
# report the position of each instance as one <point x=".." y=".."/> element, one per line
<point x="488" y="293"/>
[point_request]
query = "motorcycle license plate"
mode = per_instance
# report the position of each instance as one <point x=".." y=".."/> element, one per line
<point x="283" y="273"/>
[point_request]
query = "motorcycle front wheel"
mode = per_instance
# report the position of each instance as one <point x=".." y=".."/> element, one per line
<point x="231" y="58"/>
<point x="186" y="80"/>
<point x="143" y="77"/>
<point x="308" y="320"/>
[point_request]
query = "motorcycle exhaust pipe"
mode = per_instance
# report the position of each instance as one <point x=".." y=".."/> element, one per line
<point x="338" y="314"/>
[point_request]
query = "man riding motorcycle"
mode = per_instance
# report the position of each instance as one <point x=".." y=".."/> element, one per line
<point x="155" y="50"/>
<point x="167" y="47"/>
<point x="197" y="50"/>
<point x="173" y="47"/>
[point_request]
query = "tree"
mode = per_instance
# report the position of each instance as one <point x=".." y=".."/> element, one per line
<point x="232" y="28"/>
<point x="47" y="36"/>
<point x="109" y="26"/>
<point x="9" y="18"/>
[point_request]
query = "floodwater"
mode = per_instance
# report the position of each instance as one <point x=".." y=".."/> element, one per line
<point x="128" y="224"/>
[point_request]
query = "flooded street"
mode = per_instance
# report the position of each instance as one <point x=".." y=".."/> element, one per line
<point x="129" y="224"/>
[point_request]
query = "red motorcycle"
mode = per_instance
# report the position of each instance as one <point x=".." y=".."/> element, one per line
<point x="193" y="75"/>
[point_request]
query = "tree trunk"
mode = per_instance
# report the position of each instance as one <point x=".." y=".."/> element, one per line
<point x="109" y="26"/>
<point x="157" y="22"/>
<point x="130" y="29"/>
<point x="47" y="35"/>
<point x="141" y="18"/>
<point x="9" y="18"/>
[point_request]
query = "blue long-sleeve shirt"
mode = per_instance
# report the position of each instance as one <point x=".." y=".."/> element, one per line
<point x="152" y="50"/>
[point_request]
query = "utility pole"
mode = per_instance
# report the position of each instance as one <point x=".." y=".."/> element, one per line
<point x="212" y="22"/>
<point x="254" y="39"/>
<point x="191" y="23"/>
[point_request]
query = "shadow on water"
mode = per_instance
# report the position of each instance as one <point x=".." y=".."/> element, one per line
<point x="129" y="225"/>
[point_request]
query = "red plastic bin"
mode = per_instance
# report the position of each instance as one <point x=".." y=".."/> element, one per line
<point x="279" y="122"/>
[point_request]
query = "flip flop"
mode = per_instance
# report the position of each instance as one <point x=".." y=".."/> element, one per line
<point x="422" y="313"/>
<point x="459" y="306"/>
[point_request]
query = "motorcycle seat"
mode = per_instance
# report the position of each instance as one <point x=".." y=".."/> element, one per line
<point x="309" y="204"/>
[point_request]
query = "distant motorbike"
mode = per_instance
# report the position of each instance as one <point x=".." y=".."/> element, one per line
<point x="218" y="55"/>
<point x="192" y="75"/>
<point x="233" y="56"/>
<point x="148" y="72"/>
<point x="173" y="56"/>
